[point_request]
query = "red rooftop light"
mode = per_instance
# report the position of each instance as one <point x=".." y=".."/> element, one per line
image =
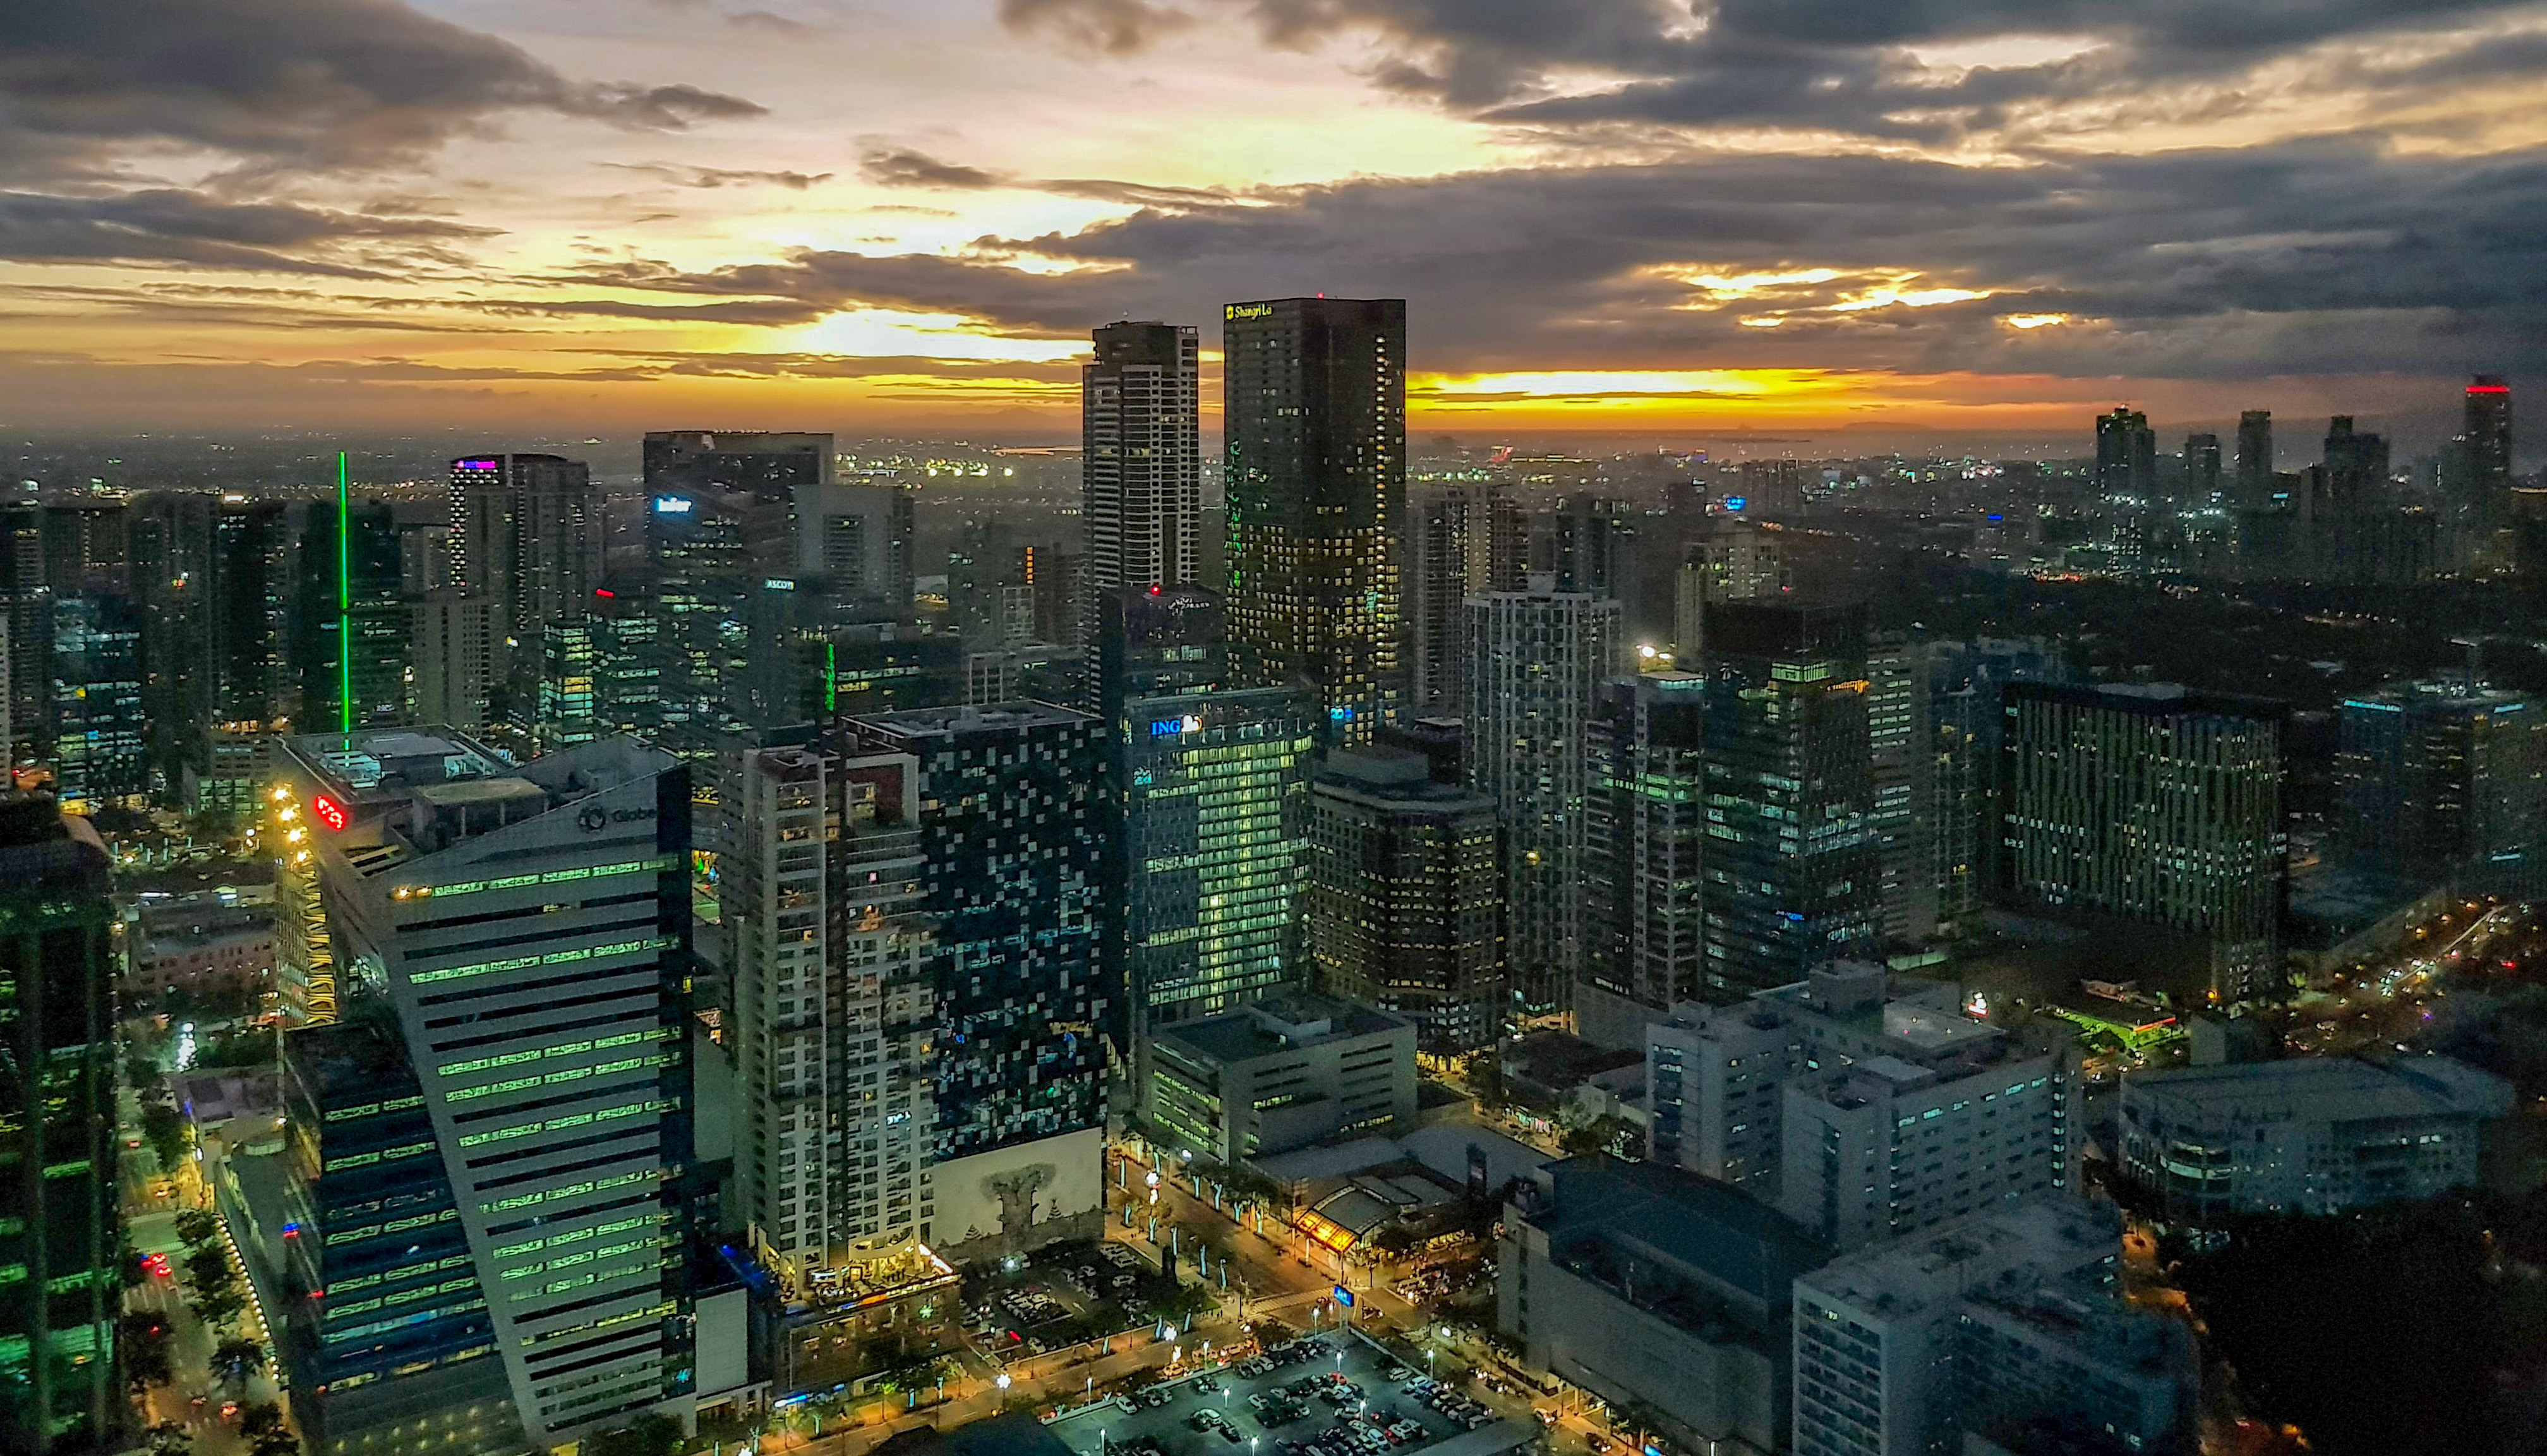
<point x="2489" y="388"/>
<point x="329" y="811"/>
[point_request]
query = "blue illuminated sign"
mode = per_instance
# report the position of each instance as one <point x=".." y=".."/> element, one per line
<point x="1736" y="502"/>
<point x="673" y="505"/>
<point x="1344" y="1297"/>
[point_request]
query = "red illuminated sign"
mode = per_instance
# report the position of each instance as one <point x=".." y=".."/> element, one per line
<point x="2489" y="388"/>
<point x="329" y="811"/>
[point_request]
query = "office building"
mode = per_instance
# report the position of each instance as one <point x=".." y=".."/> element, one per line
<point x="1733" y="560"/>
<point x="2487" y="440"/>
<point x="2203" y="463"/>
<point x="521" y="934"/>
<point x="2439" y="777"/>
<point x="525" y="535"/>
<point x="1467" y="538"/>
<point x="833" y="1006"/>
<point x="251" y="612"/>
<point x="1644" y="856"/>
<point x="349" y="631"/>
<point x="2151" y="814"/>
<point x="1276" y="1075"/>
<point x="1793" y="861"/>
<point x="458" y="642"/>
<point x="1985" y="1326"/>
<point x="1214" y="800"/>
<point x="2255" y="459"/>
<point x="1741" y="1093"/>
<point x="1314" y="430"/>
<point x="1897" y="733"/>
<point x="2126" y="455"/>
<point x="1405" y="897"/>
<point x="1964" y="729"/>
<point x="1536" y="658"/>
<point x="721" y="545"/>
<point x="1140" y="461"/>
<point x="88" y="543"/>
<point x="2311" y="1136"/>
<point x="174" y="578"/>
<point x="1658" y="1288"/>
<point x="29" y="605"/>
<point x="770" y="464"/>
<point x="1011" y="821"/>
<point x="101" y="732"/>
<point x="62" y="1244"/>
<point x="853" y="546"/>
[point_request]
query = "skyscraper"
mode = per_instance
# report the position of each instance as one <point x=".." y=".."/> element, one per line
<point x="173" y="582"/>
<point x="1141" y="462"/>
<point x="1536" y="659"/>
<point x="1010" y="814"/>
<point x="2255" y="459"/>
<point x="59" y="1209"/>
<point x="101" y="746"/>
<point x="1795" y="862"/>
<point x="521" y="937"/>
<point x="29" y="603"/>
<point x="348" y="588"/>
<point x="2126" y="455"/>
<point x="2149" y="808"/>
<point x="2489" y="440"/>
<point x="251" y="610"/>
<point x="2437" y="777"/>
<point x="1314" y="423"/>
<point x="1465" y="537"/>
<point x="1732" y="559"/>
<point x="1645" y="845"/>
<point x="2202" y="462"/>
<point x="1405" y="897"/>
<point x="526" y="535"/>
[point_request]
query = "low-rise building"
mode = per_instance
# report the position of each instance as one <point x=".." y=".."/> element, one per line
<point x="201" y="947"/>
<point x="1998" y="1323"/>
<point x="1286" y="1072"/>
<point x="1655" y="1286"/>
<point x="2308" y="1135"/>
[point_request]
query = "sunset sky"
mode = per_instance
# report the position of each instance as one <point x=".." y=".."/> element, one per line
<point x="904" y="216"/>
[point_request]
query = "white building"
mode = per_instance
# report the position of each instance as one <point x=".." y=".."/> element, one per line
<point x="1282" y="1073"/>
<point x="2309" y="1136"/>
<point x="1983" y="1324"/>
<point x="1860" y="1117"/>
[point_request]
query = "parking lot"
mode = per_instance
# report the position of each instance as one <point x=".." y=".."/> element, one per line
<point x="1063" y="1295"/>
<point x="1326" y="1395"/>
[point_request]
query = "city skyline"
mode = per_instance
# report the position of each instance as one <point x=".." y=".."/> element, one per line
<point x="1601" y="217"/>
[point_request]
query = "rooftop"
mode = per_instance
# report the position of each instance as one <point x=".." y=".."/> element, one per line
<point x="2006" y="1251"/>
<point x="402" y="794"/>
<point x="2326" y="1089"/>
<point x="1276" y="1024"/>
<point x="917" y="722"/>
<point x="1672" y="1217"/>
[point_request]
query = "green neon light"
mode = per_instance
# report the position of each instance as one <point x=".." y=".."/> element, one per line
<point x="831" y="677"/>
<point x="344" y="602"/>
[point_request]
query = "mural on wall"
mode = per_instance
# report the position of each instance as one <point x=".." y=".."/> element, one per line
<point x="1020" y="1197"/>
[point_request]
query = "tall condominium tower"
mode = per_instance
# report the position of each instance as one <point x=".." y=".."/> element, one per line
<point x="1405" y="897"/>
<point x="2125" y="454"/>
<point x="2255" y="459"/>
<point x="1465" y="537"/>
<point x="1010" y="815"/>
<point x="1314" y="421"/>
<point x="1645" y="847"/>
<point x="2156" y="809"/>
<point x="173" y="579"/>
<point x="1141" y="462"/>
<point x="2202" y="469"/>
<point x="833" y="1004"/>
<point x="29" y="605"/>
<point x="521" y="937"/>
<point x="1732" y="559"/>
<point x="1536" y="659"/>
<point x="1794" y="863"/>
<point x="526" y="533"/>
<point x="1961" y="731"/>
<point x="61" y="1226"/>
<point x="2437" y="777"/>
<point x="2488" y="439"/>
<point x="252" y="610"/>
<point x="349" y="623"/>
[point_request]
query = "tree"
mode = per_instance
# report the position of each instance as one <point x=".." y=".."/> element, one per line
<point x="260" y="1417"/>
<point x="143" y="1342"/>
<point x="168" y="1438"/>
<point x="165" y="1128"/>
<point x="208" y="1269"/>
<point x="198" y="1228"/>
<point x="236" y="1360"/>
<point x="275" y="1443"/>
<point x="650" y="1435"/>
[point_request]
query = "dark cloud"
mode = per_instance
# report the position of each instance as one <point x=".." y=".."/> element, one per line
<point x="1111" y="26"/>
<point x="2306" y="258"/>
<point x="309" y="84"/>
<point x="171" y="226"/>
<point x="900" y="166"/>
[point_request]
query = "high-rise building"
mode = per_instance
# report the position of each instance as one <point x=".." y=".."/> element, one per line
<point x="1314" y="424"/>
<point x="61" y="1224"/>
<point x="2255" y="459"/>
<point x="28" y="604"/>
<point x="770" y="464"/>
<point x="173" y="582"/>
<point x="521" y="934"/>
<point x="2009" y="1320"/>
<point x="1536" y="659"/>
<point x="1140" y="461"/>
<point x="458" y="647"/>
<point x="854" y="546"/>
<point x="1732" y="559"/>
<point x="1405" y="897"/>
<point x="526" y="535"/>
<point x="1897" y="707"/>
<point x="1645" y="849"/>
<point x="2489" y="441"/>
<point x="2153" y="809"/>
<point x="2126" y="455"/>
<point x="251" y="604"/>
<point x="1212" y="789"/>
<point x="101" y="738"/>
<point x="2202" y="469"/>
<point x="2356" y="467"/>
<point x="1964" y="727"/>
<point x="1011" y="821"/>
<point x="88" y="543"/>
<point x="348" y="588"/>
<point x="834" y="1006"/>
<point x="1794" y="860"/>
<point x="1465" y="537"/>
<point x="2441" y="776"/>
